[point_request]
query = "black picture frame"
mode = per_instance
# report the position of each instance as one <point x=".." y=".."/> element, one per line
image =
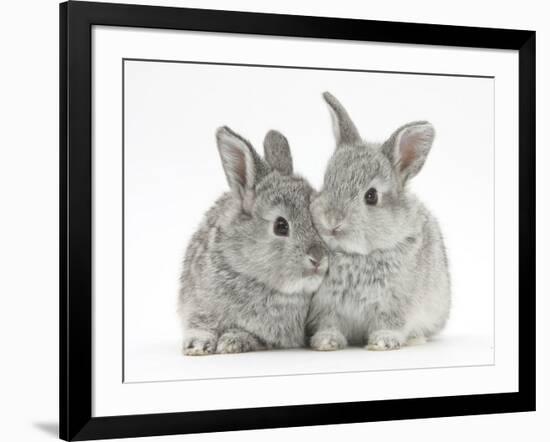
<point x="76" y="21"/>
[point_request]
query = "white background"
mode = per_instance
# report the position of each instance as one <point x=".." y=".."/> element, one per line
<point x="29" y="225"/>
<point x="173" y="175"/>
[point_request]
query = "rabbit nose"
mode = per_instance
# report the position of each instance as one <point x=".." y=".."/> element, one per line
<point x="332" y="221"/>
<point x="316" y="254"/>
<point x="335" y="229"/>
<point x="314" y="262"/>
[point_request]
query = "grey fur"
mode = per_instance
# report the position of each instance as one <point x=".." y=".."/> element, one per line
<point x="345" y="131"/>
<point x="388" y="280"/>
<point x="243" y="288"/>
<point x="277" y="152"/>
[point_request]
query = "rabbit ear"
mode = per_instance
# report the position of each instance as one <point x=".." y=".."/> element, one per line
<point x="345" y="131"/>
<point x="408" y="148"/>
<point x="242" y="165"/>
<point x="277" y="152"/>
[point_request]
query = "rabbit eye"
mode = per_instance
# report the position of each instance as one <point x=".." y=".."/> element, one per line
<point x="280" y="227"/>
<point x="371" y="196"/>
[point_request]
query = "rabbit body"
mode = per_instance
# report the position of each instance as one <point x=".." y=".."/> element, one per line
<point x="388" y="281"/>
<point x="246" y="285"/>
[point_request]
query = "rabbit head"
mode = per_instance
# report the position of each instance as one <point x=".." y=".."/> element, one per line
<point x="270" y="235"/>
<point x="364" y="204"/>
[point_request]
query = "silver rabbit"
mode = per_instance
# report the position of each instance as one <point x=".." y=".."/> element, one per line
<point x="388" y="280"/>
<point x="251" y="268"/>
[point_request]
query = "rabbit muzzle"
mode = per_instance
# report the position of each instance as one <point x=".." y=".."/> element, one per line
<point x="317" y="260"/>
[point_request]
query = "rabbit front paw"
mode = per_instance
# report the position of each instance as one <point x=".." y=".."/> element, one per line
<point x="199" y="345"/>
<point x="328" y="340"/>
<point x="385" y="340"/>
<point x="237" y="342"/>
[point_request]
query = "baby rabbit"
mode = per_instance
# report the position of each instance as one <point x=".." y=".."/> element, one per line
<point x="388" y="281"/>
<point x="253" y="265"/>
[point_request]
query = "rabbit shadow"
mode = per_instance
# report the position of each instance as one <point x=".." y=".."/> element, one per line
<point x="50" y="428"/>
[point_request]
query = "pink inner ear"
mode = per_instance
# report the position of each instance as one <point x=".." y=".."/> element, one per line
<point x="240" y="167"/>
<point x="237" y="164"/>
<point x="408" y="145"/>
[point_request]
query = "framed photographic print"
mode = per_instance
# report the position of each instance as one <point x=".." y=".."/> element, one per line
<point x="272" y="220"/>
